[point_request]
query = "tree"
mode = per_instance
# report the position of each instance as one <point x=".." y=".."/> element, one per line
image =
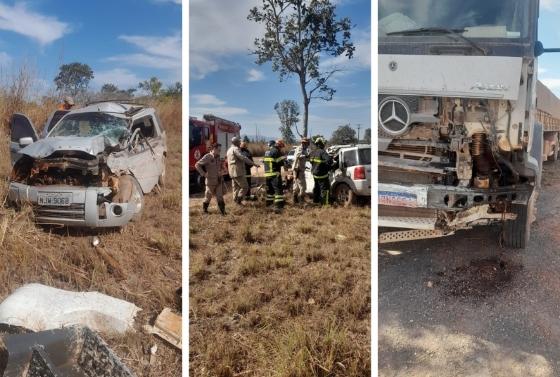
<point x="109" y="89"/>
<point x="344" y="135"/>
<point x="288" y="112"/>
<point x="152" y="86"/>
<point x="367" y="136"/>
<point x="175" y="90"/>
<point x="73" y="78"/>
<point x="297" y="34"/>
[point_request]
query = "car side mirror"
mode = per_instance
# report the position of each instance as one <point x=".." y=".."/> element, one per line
<point x="25" y="141"/>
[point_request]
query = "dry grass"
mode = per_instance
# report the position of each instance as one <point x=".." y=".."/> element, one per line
<point x="147" y="253"/>
<point x="278" y="295"/>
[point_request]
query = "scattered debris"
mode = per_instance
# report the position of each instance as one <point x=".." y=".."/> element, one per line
<point x="168" y="327"/>
<point x="311" y="301"/>
<point x="72" y="351"/>
<point x="429" y="284"/>
<point x="113" y="265"/>
<point x="37" y="307"/>
<point x="95" y="241"/>
<point x="340" y="237"/>
<point x="153" y="350"/>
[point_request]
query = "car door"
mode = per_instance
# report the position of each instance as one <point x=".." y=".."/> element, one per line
<point x="53" y="119"/>
<point x="146" y="160"/>
<point x="22" y="133"/>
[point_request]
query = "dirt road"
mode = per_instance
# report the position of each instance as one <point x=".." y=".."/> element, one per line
<point x="463" y="306"/>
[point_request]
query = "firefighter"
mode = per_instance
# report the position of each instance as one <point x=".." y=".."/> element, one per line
<point x="273" y="162"/>
<point x="247" y="153"/>
<point x="236" y="167"/>
<point x="298" y="167"/>
<point x="209" y="166"/>
<point x="67" y="104"/>
<point x="321" y="164"/>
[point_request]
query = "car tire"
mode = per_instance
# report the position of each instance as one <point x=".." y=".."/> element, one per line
<point x="344" y="195"/>
<point x="161" y="179"/>
<point x="517" y="233"/>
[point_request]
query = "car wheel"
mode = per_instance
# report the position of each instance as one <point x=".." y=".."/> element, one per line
<point x="516" y="233"/>
<point x="344" y="195"/>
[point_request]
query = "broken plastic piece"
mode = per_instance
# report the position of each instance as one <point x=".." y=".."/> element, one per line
<point x="73" y="351"/>
<point x="37" y="307"/>
<point x="168" y="327"/>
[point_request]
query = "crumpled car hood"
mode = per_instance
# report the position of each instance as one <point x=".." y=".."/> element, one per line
<point x="45" y="147"/>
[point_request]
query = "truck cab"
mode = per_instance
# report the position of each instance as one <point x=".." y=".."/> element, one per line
<point x="459" y="145"/>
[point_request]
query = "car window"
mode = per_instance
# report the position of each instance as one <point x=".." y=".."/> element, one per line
<point x="350" y="158"/>
<point x="146" y="126"/>
<point x="291" y="153"/>
<point x="364" y="156"/>
<point x="91" y="124"/>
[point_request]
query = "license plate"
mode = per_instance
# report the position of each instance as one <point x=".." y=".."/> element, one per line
<point x="54" y="199"/>
<point x="400" y="199"/>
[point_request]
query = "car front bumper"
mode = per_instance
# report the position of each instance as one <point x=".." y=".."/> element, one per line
<point x="88" y="206"/>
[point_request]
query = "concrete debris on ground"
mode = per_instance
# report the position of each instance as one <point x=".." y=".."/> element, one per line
<point x="72" y="351"/>
<point x="168" y="327"/>
<point x="37" y="307"/>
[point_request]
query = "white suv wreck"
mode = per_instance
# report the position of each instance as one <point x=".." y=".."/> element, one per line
<point x="351" y="178"/>
<point x="92" y="168"/>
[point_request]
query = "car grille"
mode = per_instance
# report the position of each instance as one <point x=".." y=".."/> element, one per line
<point x="50" y="214"/>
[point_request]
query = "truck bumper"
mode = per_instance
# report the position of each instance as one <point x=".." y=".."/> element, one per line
<point x="450" y="198"/>
<point x="85" y="209"/>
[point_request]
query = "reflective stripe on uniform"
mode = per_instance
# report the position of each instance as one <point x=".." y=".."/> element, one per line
<point x="320" y="176"/>
<point x="278" y="198"/>
<point x="317" y="160"/>
<point x="272" y="174"/>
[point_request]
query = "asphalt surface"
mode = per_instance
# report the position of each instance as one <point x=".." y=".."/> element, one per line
<point x="464" y="306"/>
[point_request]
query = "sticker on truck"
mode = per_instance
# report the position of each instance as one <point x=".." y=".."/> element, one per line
<point x="400" y="199"/>
<point x="403" y="196"/>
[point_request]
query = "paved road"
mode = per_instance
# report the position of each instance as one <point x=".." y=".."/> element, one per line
<point x="463" y="306"/>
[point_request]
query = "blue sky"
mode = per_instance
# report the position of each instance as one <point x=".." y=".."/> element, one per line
<point x="225" y="81"/>
<point x="549" y="35"/>
<point x="123" y="41"/>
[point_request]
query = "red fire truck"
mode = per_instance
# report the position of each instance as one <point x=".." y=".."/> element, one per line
<point x="203" y="133"/>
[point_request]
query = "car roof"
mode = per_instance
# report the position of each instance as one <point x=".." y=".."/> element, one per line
<point x="125" y="110"/>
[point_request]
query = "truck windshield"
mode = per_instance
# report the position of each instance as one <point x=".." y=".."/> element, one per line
<point x="471" y="18"/>
<point x="91" y="124"/>
<point x="195" y="135"/>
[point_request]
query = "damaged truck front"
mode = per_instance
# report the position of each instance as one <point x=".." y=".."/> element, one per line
<point x="458" y="142"/>
<point x="92" y="169"/>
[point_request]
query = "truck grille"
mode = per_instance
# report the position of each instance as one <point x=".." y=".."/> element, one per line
<point x="50" y="214"/>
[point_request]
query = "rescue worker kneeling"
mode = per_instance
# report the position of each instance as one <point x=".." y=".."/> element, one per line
<point x="273" y="161"/>
<point x="321" y="164"/>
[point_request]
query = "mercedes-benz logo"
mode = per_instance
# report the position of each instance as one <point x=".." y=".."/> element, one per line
<point x="394" y="116"/>
<point x="393" y="65"/>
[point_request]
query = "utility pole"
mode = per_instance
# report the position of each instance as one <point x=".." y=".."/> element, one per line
<point x="359" y="127"/>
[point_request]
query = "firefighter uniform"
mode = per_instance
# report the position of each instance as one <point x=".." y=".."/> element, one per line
<point x="236" y="168"/>
<point x="210" y="167"/>
<point x="273" y="161"/>
<point x="247" y="153"/>
<point x="321" y="164"/>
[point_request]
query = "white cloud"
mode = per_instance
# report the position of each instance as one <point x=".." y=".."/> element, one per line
<point x="217" y="30"/>
<point x="207" y="99"/>
<point x="155" y="52"/>
<point x="122" y="78"/>
<point x="179" y="2"/>
<point x="5" y="59"/>
<point x="43" y="29"/>
<point x="361" y="60"/>
<point x="349" y="103"/>
<point x="255" y="75"/>
<point x="210" y="104"/>
<point x="220" y="111"/>
<point x="549" y="4"/>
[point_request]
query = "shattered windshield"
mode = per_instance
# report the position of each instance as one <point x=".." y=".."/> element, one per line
<point x="471" y="18"/>
<point x="91" y="124"/>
